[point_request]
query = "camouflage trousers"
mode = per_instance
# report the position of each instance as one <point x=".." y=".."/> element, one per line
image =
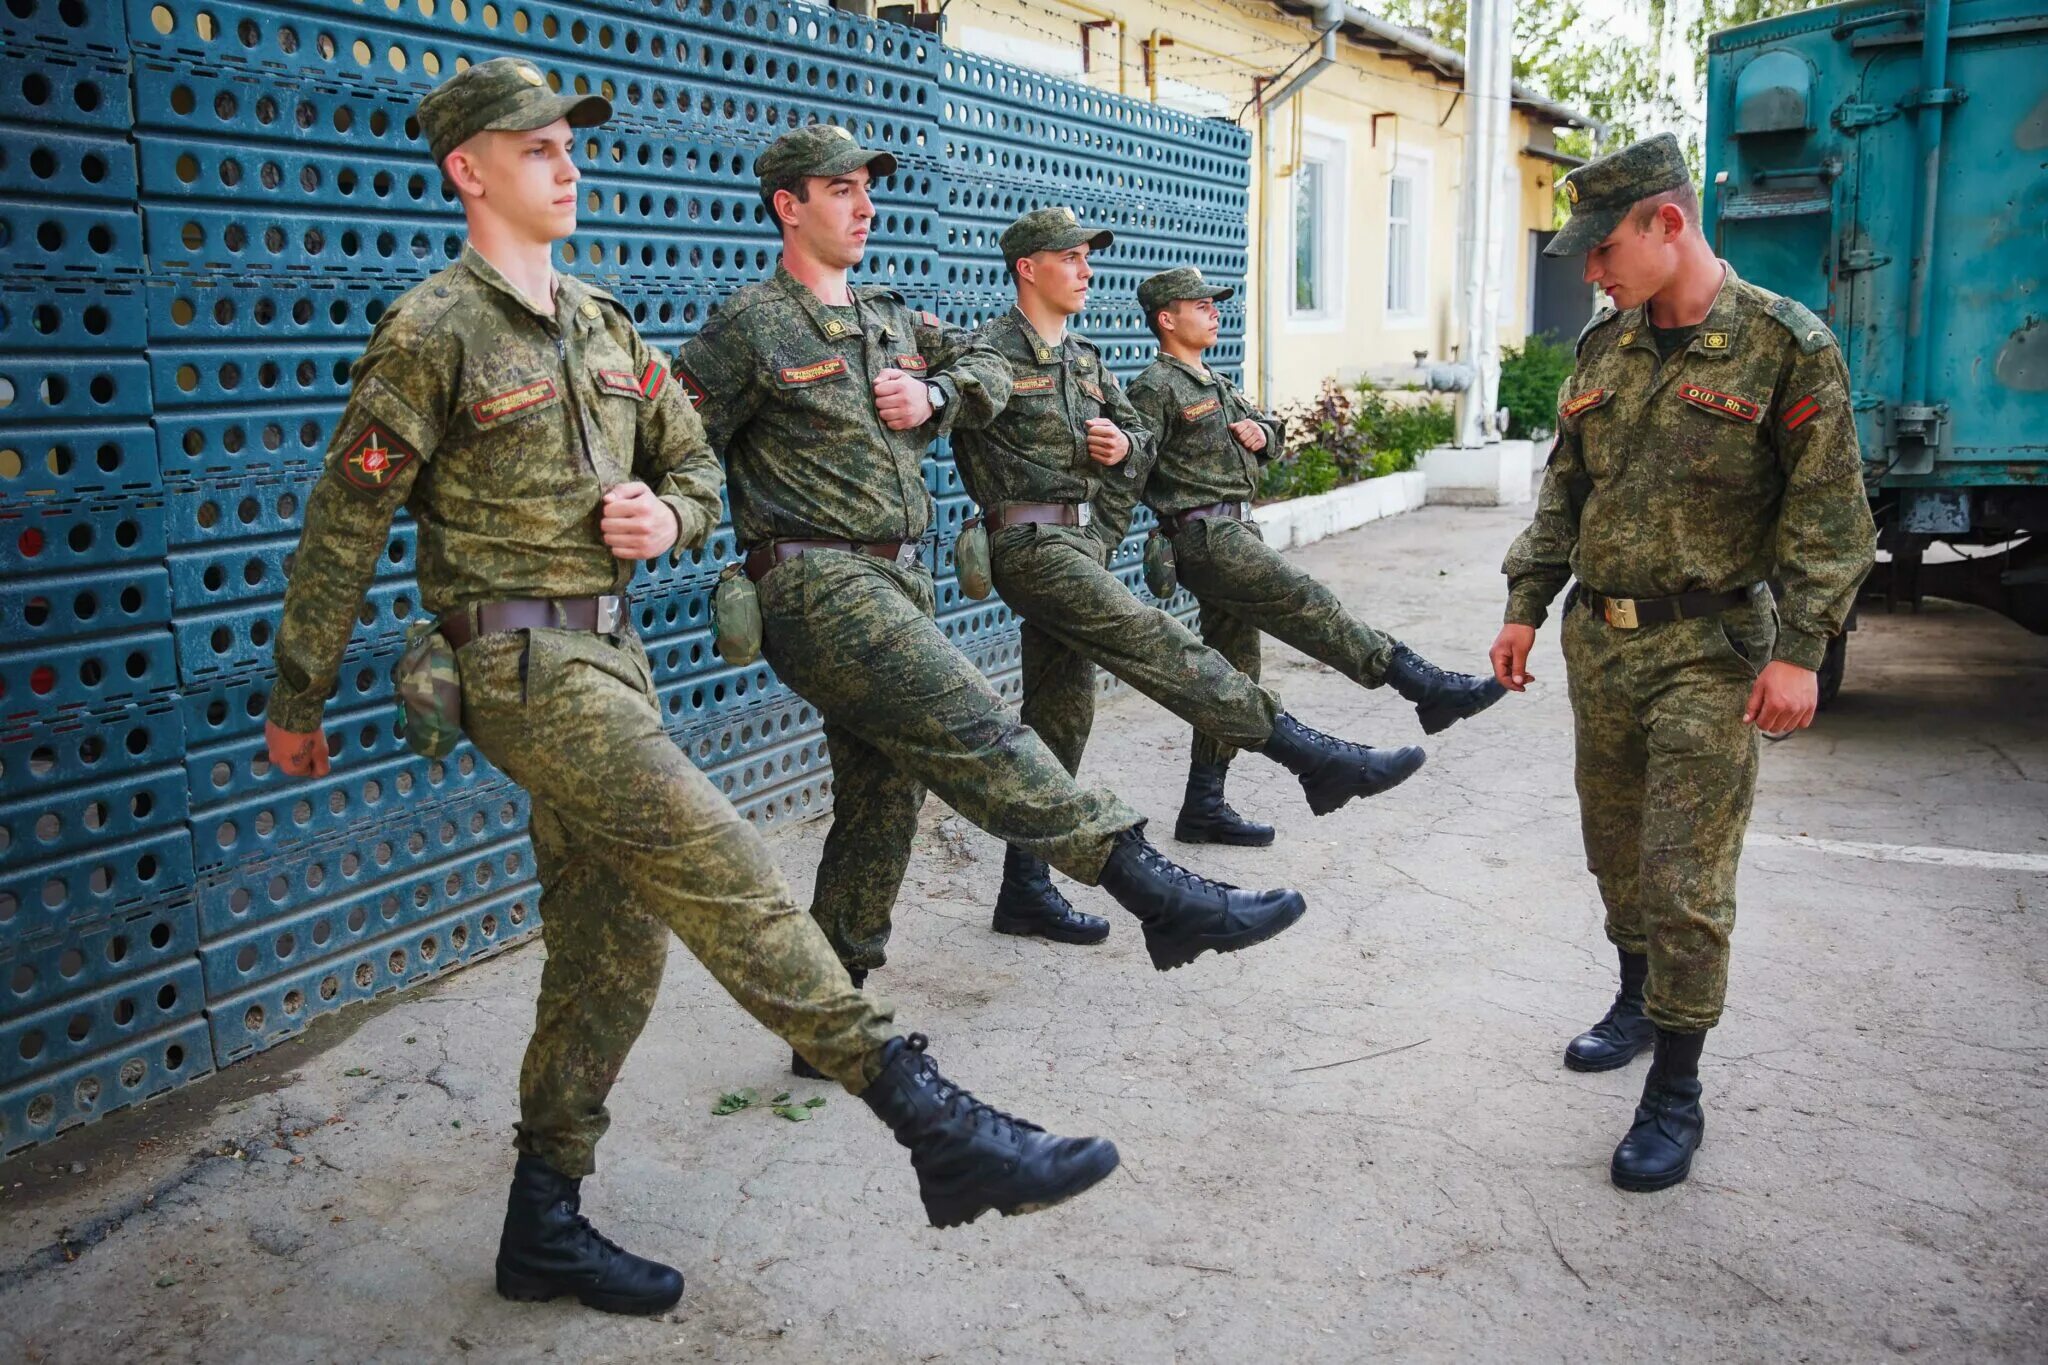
<point x="1666" y="771"/>
<point x="633" y="843"/>
<point x="904" y="712"/>
<point x="1077" y="614"/>
<point x="1245" y="586"/>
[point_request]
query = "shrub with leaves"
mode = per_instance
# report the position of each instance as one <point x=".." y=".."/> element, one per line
<point x="1344" y="435"/>
<point x="1530" y="376"/>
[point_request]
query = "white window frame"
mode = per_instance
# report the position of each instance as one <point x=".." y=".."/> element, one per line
<point x="1328" y="146"/>
<point x="1419" y="169"/>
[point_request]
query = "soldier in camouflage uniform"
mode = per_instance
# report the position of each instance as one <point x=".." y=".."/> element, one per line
<point x="1705" y="444"/>
<point x="543" y="450"/>
<point x="1211" y="442"/>
<point x="1057" y="475"/>
<point x="823" y="398"/>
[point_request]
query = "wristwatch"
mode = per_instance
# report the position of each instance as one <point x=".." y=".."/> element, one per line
<point x="937" y="394"/>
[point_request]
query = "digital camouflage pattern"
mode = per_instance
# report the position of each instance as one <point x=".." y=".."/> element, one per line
<point x="429" y="690"/>
<point x="1171" y="286"/>
<point x="1733" y="463"/>
<point x="784" y="385"/>
<point x="499" y="426"/>
<point x="1199" y="460"/>
<point x="817" y="149"/>
<point x="1601" y="193"/>
<point x="1056" y="228"/>
<point x="906" y="711"/>
<point x="504" y="94"/>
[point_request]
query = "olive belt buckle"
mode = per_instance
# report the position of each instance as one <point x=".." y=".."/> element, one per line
<point x="1620" y="612"/>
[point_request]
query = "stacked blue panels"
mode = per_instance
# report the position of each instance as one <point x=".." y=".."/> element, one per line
<point x="100" y="999"/>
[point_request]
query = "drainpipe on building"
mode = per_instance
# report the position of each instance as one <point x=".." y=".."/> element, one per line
<point x="1328" y="21"/>
<point x="1483" y="212"/>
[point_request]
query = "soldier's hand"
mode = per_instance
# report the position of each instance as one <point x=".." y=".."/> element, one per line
<point x="901" y="400"/>
<point x="1510" y="656"/>
<point x="1249" y="434"/>
<point x="636" y="524"/>
<point x="296" y="755"/>
<point x="1107" y="443"/>
<point x="1784" y="698"/>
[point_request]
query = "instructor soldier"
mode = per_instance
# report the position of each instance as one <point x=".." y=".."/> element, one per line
<point x="543" y="450"/>
<point x="1705" y="444"/>
<point x="1211" y="441"/>
<point x="1057" y="475"/>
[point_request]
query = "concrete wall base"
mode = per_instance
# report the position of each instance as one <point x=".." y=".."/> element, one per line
<point x="1304" y="521"/>
<point x="1495" y="475"/>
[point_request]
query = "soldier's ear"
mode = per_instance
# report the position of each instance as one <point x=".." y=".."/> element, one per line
<point x="1672" y="219"/>
<point x="460" y="166"/>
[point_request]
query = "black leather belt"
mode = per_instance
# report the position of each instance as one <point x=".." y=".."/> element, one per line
<point x="760" y="561"/>
<point x="1232" y="511"/>
<point x="1627" y="613"/>
<point x="602" y="615"/>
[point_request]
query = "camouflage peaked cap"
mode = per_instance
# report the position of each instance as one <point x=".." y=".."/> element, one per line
<point x="1171" y="286"/>
<point x="1602" y="192"/>
<point x="817" y="149"/>
<point x="504" y="95"/>
<point x="1050" y="229"/>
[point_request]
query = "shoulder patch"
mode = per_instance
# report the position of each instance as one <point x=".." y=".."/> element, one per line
<point x="376" y="458"/>
<point x="1594" y="324"/>
<point x="1591" y="398"/>
<point x="928" y="319"/>
<point x="1808" y="330"/>
<point x="692" y="388"/>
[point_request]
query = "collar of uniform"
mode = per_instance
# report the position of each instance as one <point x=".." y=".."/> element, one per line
<point x="1042" y="351"/>
<point x="474" y="261"/>
<point x="1199" y="376"/>
<point x="828" y="327"/>
<point x="1723" y="321"/>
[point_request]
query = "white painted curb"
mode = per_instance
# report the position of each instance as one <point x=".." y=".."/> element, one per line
<point x="1494" y="475"/>
<point x="1304" y="521"/>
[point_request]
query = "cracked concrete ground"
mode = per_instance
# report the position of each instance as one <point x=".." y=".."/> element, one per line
<point x="1355" y="1142"/>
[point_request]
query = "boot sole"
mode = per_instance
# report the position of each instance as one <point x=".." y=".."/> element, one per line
<point x="1573" y="1063"/>
<point x="1188" y="835"/>
<point x="1650" y="1185"/>
<point x="525" y="1289"/>
<point x="1180" y="954"/>
<point x="1033" y="929"/>
<point x="950" y="1214"/>
<point x="1326" y="803"/>
<point x="1437" y="719"/>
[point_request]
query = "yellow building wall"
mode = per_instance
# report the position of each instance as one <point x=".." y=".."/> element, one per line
<point x="1365" y="115"/>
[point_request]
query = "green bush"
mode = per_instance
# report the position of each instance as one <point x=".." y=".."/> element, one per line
<point x="1346" y="435"/>
<point x="1530" y="376"/>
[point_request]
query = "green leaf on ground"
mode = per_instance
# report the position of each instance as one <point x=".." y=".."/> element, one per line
<point x="735" y="1100"/>
<point x="783" y="1098"/>
<point x="795" y="1113"/>
<point x="357" y="1071"/>
<point x="815" y="1102"/>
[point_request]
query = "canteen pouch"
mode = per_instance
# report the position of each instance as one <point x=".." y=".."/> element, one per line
<point x="736" y="617"/>
<point x="1160" y="579"/>
<point x="429" y="690"/>
<point x="970" y="559"/>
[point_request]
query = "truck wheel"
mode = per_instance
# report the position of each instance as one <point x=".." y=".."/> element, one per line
<point x="1832" y="667"/>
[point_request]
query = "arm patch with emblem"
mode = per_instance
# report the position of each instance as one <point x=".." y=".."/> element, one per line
<point x="375" y="459"/>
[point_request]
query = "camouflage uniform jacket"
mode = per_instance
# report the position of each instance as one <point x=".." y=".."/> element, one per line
<point x="785" y="389"/>
<point x="1736" y="461"/>
<point x="499" y="427"/>
<point x="1037" y="450"/>
<point x="1199" y="462"/>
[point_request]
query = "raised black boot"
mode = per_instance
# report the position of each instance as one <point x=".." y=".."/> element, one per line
<point x="969" y="1157"/>
<point x="1441" y="699"/>
<point x="1670" y="1125"/>
<point x="1623" y="1031"/>
<point x="1332" y="770"/>
<point x="1185" y="915"/>
<point x="1030" y="905"/>
<point x="1206" y="818"/>
<point x="797" y="1064"/>
<point x="549" y="1249"/>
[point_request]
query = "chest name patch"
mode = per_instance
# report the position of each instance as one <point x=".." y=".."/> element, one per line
<point x="501" y="406"/>
<point x="811" y="374"/>
<point x="1727" y="404"/>
<point x="1194" y="412"/>
<point x="375" y="459"/>
<point x="1036" y="383"/>
<point x="1592" y="398"/>
<point x="910" y="364"/>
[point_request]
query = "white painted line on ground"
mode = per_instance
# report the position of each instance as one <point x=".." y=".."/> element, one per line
<point x="1905" y="853"/>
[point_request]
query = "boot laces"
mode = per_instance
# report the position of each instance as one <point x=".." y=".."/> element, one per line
<point x="1174" y="872"/>
<point x="955" y="1100"/>
<point x="1342" y="746"/>
<point x="583" y="1227"/>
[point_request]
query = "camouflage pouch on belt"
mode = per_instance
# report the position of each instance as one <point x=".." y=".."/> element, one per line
<point x="970" y="558"/>
<point x="429" y="690"/>
<point x="736" y="617"/>
<point x="1161" y="579"/>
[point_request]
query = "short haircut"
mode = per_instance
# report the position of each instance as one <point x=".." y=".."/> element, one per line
<point x="1682" y="196"/>
<point x="1152" y="320"/>
<point x="798" y="185"/>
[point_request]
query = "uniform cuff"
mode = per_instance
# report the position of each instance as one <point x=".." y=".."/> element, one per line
<point x="1797" y="647"/>
<point x="690" y="527"/>
<point x="942" y="419"/>
<point x="298" y="713"/>
<point x="1526" y="607"/>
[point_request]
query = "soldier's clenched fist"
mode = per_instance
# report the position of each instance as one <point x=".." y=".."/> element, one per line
<point x="902" y="400"/>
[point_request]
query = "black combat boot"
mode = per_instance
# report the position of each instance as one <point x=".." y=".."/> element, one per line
<point x="1206" y="818"/>
<point x="1030" y="905"/>
<point x="1185" y="915"/>
<point x="1441" y="699"/>
<point x="548" y="1249"/>
<point x="1669" y="1126"/>
<point x="969" y="1157"/>
<point x="1623" y="1031"/>
<point x="1332" y="771"/>
<point x="797" y="1065"/>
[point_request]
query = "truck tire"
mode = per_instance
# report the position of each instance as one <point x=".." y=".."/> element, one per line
<point x="1832" y="666"/>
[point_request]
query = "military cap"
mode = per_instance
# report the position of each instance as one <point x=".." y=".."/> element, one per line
<point x="1171" y="286"/>
<point x="818" y="149"/>
<point x="1050" y="229"/>
<point x="506" y="95"/>
<point x="1602" y="192"/>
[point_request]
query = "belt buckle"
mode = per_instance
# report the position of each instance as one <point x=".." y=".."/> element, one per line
<point x="1620" y="612"/>
<point x="906" y="554"/>
<point x="1242" y="511"/>
<point x="1087" y="514"/>
<point x="611" y="613"/>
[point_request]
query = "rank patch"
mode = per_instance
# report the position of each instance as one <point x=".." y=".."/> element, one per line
<point x="488" y="410"/>
<point x="1800" y="413"/>
<point x="1196" y="411"/>
<point x="375" y="459"/>
<point x="1035" y="383"/>
<point x="910" y="364"/>
<point x="812" y="373"/>
<point x="1727" y="404"/>
<point x="1591" y="398"/>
